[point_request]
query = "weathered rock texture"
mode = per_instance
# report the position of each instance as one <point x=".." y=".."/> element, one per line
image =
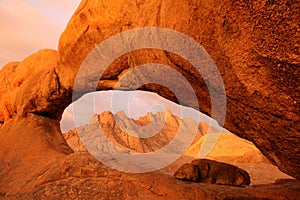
<point x="29" y="137"/>
<point x="213" y="172"/>
<point x="35" y="165"/>
<point x="254" y="44"/>
<point x="31" y="86"/>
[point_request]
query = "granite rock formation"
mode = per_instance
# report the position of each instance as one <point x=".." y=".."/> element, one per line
<point x="29" y="138"/>
<point x="260" y="70"/>
<point x="30" y="86"/>
<point x="255" y="46"/>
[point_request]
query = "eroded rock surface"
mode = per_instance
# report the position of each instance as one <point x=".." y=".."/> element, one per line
<point x="27" y="145"/>
<point x="81" y="176"/>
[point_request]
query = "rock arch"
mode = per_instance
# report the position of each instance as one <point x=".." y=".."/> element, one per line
<point x="249" y="42"/>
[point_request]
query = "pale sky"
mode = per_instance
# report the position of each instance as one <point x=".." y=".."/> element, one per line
<point x="134" y="104"/>
<point x="30" y="25"/>
<point x="27" y="26"/>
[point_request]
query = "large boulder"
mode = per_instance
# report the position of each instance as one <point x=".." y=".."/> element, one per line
<point x="31" y="86"/>
<point x="30" y="135"/>
<point x="188" y="172"/>
<point x="255" y="46"/>
<point x="213" y="172"/>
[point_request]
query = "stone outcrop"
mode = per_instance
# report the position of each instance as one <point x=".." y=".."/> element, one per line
<point x="213" y="172"/>
<point x="163" y="126"/>
<point x="30" y="137"/>
<point x="31" y="86"/>
<point x="27" y="145"/>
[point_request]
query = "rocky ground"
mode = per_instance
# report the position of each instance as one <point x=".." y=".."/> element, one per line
<point x="80" y="176"/>
<point x="66" y="175"/>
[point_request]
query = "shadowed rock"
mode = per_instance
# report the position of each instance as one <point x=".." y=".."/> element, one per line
<point x="188" y="172"/>
<point x="209" y="171"/>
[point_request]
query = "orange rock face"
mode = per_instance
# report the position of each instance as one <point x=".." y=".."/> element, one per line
<point x="80" y="176"/>
<point x="35" y="164"/>
<point x="27" y="145"/>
